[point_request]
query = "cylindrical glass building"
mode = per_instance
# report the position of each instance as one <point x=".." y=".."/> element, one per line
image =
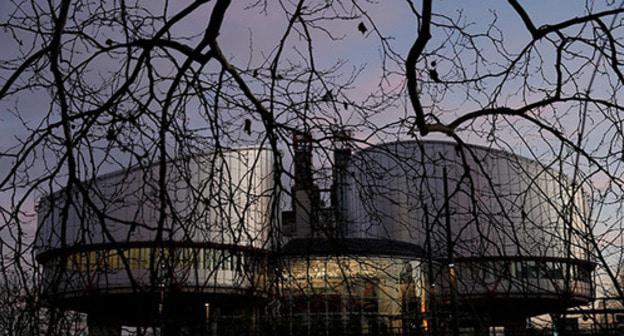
<point x="508" y="231"/>
<point x="126" y="250"/>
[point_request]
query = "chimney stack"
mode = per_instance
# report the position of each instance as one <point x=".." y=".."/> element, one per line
<point x="342" y="156"/>
<point x="305" y="194"/>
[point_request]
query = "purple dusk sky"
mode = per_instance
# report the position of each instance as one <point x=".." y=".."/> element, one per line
<point x="241" y="26"/>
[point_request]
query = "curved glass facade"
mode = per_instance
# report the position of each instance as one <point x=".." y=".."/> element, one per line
<point x="211" y="237"/>
<point x="353" y="295"/>
<point x="203" y="268"/>
<point x="516" y="277"/>
<point x="477" y="205"/>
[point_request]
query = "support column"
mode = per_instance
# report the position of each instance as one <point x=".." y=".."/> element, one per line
<point x="186" y="328"/>
<point x="515" y="328"/>
<point x="481" y="329"/>
<point x="101" y="326"/>
<point x="170" y="329"/>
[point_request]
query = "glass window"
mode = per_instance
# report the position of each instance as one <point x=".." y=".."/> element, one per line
<point x="225" y="260"/>
<point x="532" y="269"/>
<point x="556" y="270"/>
<point x="73" y="262"/>
<point x="208" y="258"/>
<point x="112" y="260"/>
<point x="583" y="273"/>
<point x="135" y="258"/>
<point x="521" y="270"/>
<point x="84" y="262"/>
<point x="239" y="262"/>
<point x="573" y="272"/>
<point x="507" y="269"/>
<point x="185" y="260"/>
<point x="216" y="262"/>
<point x="91" y="261"/>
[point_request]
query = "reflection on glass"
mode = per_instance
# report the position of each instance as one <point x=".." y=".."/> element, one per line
<point x="361" y="295"/>
<point x="115" y="260"/>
